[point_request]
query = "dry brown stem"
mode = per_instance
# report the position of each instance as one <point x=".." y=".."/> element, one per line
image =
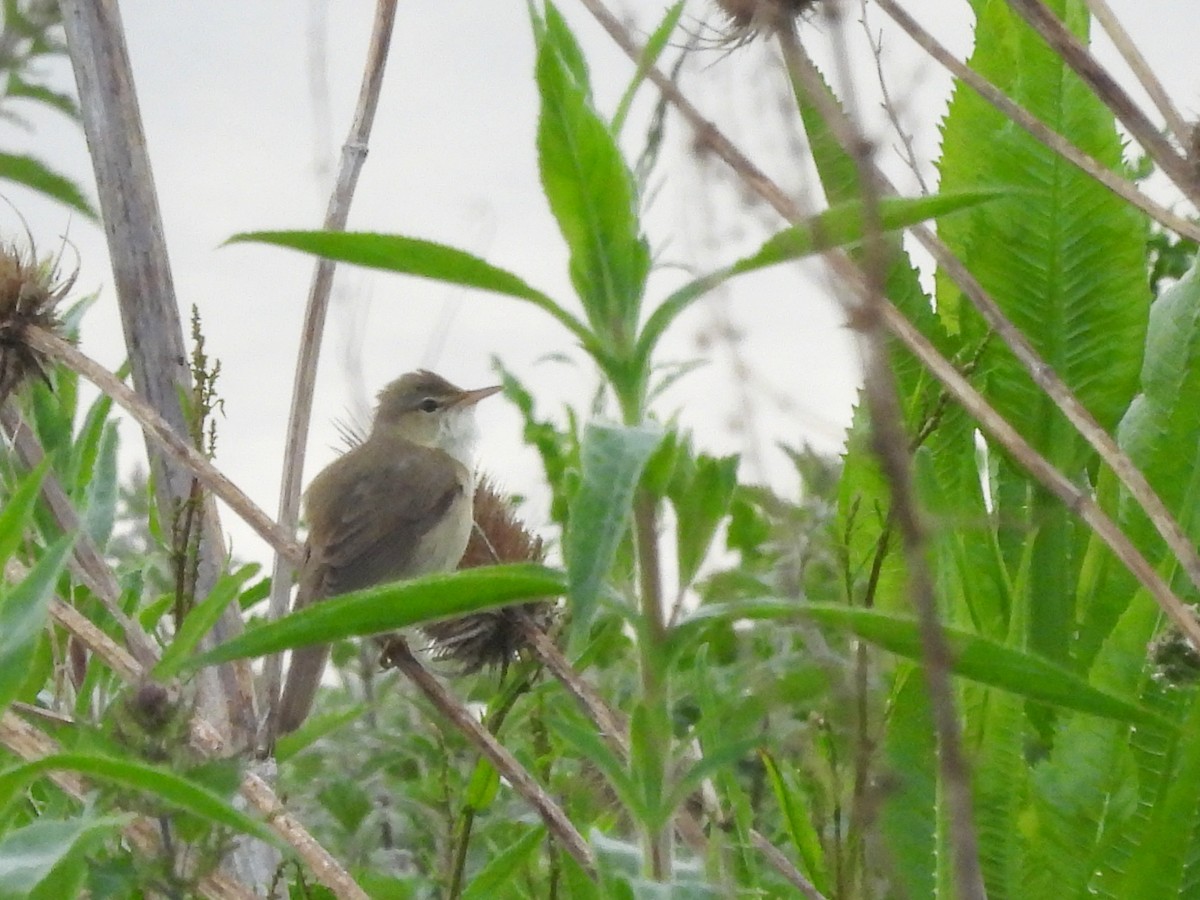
<point x="149" y="313"/>
<point x="87" y="563"/>
<point x="1141" y="69"/>
<point x="166" y="439"/>
<point x="1068" y="47"/>
<point x="506" y="764"/>
<point x="354" y="154"/>
<point x="31" y="744"/>
<point x="1122" y="187"/>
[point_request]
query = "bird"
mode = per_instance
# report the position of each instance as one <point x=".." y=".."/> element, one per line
<point x="396" y="506"/>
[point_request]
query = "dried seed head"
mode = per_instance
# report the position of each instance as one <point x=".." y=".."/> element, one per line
<point x="1174" y="658"/>
<point x="490" y="638"/>
<point x="749" y="18"/>
<point x="29" y="297"/>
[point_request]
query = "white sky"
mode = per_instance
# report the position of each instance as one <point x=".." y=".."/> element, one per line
<point x="236" y="145"/>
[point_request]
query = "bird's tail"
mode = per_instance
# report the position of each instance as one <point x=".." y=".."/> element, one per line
<point x="303" y="678"/>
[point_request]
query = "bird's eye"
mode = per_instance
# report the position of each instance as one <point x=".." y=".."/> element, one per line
<point x="428" y="405"/>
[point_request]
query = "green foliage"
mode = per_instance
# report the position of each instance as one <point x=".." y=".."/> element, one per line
<point x="381" y="609"/>
<point x="612" y="460"/>
<point x="29" y="37"/>
<point x="758" y="650"/>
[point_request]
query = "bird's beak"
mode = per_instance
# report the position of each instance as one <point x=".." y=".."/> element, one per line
<point x="470" y="398"/>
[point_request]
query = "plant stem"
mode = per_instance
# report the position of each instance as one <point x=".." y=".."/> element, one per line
<point x="655" y="681"/>
<point x="354" y="154"/>
<point x="656" y="749"/>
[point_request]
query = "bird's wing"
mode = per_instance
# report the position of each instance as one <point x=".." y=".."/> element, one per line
<point x="356" y="534"/>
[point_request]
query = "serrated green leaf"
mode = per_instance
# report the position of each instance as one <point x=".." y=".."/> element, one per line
<point x="390" y="607"/>
<point x="36" y="175"/>
<point x="612" y="459"/>
<point x="714" y="759"/>
<point x="1158" y="431"/>
<point x="585" y="743"/>
<point x="555" y="32"/>
<point x="481" y="789"/>
<point x="314" y="728"/>
<point x="701" y="502"/>
<point x="799" y="826"/>
<point x="1065" y="260"/>
<point x="909" y="811"/>
<point x="64" y="103"/>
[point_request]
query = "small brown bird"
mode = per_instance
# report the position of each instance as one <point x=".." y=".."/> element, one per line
<point x="396" y="506"/>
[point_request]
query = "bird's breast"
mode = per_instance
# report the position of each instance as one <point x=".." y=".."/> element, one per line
<point x="442" y="546"/>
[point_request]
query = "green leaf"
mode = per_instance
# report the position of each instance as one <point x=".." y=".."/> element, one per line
<point x="908" y="816"/>
<point x="37" y="176"/>
<point x="18" y="507"/>
<point x="586" y="744"/>
<point x="390" y="607"/>
<point x="650" y="54"/>
<point x="1158" y="431"/>
<point x="30" y="854"/>
<point x="1065" y="260"/>
<point x="200" y="621"/>
<point x="347" y="801"/>
<point x="23" y="613"/>
<point x="843" y="225"/>
<point x="978" y="658"/>
<point x="314" y="728"/>
<point x="100" y="509"/>
<point x="612" y="458"/>
<point x="799" y="827"/>
<point x="701" y="498"/>
<point x="411" y="256"/>
<point x="163" y="784"/>
<point x="555" y="32"/>
<point x="502" y="867"/>
<point x="481" y="789"/>
<point x="591" y="193"/>
<point x="64" y="103"/>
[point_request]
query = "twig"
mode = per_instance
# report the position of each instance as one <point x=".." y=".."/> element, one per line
<point x="1079" y="58"/>
<point x="1035" y="127"/>
<point x="125" y="666"/>
<point x="784" y="866"/>
<point x="890" y="443"/>
<point x="86" y="562"/>
<point x="1045" y="473"/>
<point x="1076" y="500"/>
<point x="612" y="730"/>
<point x="1140" y="68"/>
<point x="354" y="153"/>
<point x="160" y="432"/>
<point x="210" y="742"/>
<point x="506" y="764"/>
<point x="31" y="744"/>
<point x="1039" y="371"/>
<point x="146" y="298"/>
